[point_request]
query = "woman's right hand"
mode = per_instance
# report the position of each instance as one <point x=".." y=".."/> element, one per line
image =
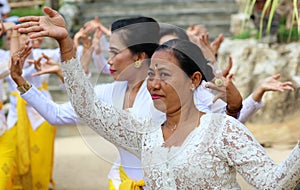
<point x="52" y="25"/>
<point x="17" y="63"/>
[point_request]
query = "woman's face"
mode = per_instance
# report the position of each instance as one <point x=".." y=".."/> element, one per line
<point x="120" y="58"/>
<point x="167" y="83"/>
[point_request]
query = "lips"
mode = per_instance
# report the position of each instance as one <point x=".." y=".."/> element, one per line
<point x="112" y="71"/>
<point x="155" y="96"/>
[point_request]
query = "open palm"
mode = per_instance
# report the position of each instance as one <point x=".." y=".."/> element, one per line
<point x="51" y="25"/>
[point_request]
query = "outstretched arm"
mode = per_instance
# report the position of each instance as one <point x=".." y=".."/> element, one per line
<point x="248" y="157"/>
<point x="254" y="101"/>
<point x="117" y="126"/>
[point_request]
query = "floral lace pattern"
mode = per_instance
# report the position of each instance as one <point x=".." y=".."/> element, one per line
<point x="209" y="158"/>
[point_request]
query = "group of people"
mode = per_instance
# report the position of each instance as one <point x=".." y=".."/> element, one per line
<point x="174" y="116"/>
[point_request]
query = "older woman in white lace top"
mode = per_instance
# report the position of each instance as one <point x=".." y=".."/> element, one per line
<point x="190" y="149"/>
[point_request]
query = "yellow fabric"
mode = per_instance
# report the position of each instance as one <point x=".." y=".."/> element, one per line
<point x="7" y="158"/>
<point x="41" y="153"/>
<point x="129" y="184"/>
<point x="45" y="86"/>
<point x="1" y="104"/>
<point x="111" y="185"/>
<point x="23" y="160"/>
<point x="35" y="150"/>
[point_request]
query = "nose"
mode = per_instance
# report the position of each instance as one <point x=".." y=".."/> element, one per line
<point x="109" y="61"/>
<point x="155" y="83"/>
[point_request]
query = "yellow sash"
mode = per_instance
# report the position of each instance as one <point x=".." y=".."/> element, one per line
<point x="45" y="86"/>
<point x="127" y="183"/>
<point x="22" y="125"/>
<point x="22" y="135"/>
<point x="44" y="135"/>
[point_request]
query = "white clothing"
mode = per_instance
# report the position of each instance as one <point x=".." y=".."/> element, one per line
<point x="112" y="94"/>
<point x="209" y="157"/>
<point x="3" y="125"/>
<point x="4" y="61"/>
<point x="4" y="9"/>
<point x="35" y="118"/>
<point x="203" y="101"/>
<point x="52" y="53"/>
<point x="64" y="114"/>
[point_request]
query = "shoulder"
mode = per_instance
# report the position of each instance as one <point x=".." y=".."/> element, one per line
<point x="221" y="121"/>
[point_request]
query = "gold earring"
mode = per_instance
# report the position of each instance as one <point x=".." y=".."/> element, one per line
<point x="193" y="88"/>
<point x="137" y="64"/>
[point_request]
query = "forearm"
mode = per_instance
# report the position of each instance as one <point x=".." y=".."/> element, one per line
<point x="86" y="58"/>
<point x="115" y="125"/>
<point x="67" y="49"/>
<point x="258" y="94"/>
<point x="55" y="114"/>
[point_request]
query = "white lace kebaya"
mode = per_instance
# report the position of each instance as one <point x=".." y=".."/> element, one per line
<point x="209" y="157"/>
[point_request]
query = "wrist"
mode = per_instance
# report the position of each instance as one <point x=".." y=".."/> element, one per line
<point x="233" y="110"/>
<point x="24" y="87"/>
<point x="19" y="80"/>
<point x="65" y="43"/>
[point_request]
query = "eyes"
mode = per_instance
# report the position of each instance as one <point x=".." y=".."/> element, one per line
<point x="113" y="53"/>
<point x="162" y="75"/>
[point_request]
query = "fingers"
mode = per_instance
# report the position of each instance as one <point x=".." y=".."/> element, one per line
<point x="276" y="76"/>
<point x="37" y="73"/>
<point x="29" y="28"/>
<point x="226" y="71"/>
<point x="40" y="34"/>
<point x="27" y="19"/>
<point x="50" y="12"/>
<point x="45" y="56"/>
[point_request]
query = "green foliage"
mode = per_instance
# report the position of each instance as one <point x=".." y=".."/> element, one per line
<point x="268" y="11"/>
<point x="25" y="11"/>
<point x="287" y="35"/>
<point x="246" y="34"/>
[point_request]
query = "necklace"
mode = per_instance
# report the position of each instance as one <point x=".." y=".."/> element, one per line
<point x="171" y="129"/>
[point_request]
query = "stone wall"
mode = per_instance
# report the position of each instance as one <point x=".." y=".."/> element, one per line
<point x="254" y="61"/>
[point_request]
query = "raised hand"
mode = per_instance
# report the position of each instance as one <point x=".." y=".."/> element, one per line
<point x="226" y="90"/>
<point x="78" y="36"/>
<point x="215" y="45"/>
<point x="52" y="25"/>
<point x="96" y="41"/>
<point x="49" y="66"/>
<point x="5" y="26"/>
<point x="92" y="25"/>
<point x="205" y="47"/>
<point x="17" y="63"/>
<point x="271" y="83"/>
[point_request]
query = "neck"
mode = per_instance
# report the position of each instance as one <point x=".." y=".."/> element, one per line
<point x="187" y="113"/>
<point x="138" y="78"/>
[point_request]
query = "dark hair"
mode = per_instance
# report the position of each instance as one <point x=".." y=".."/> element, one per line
<point x="139" y="34"/>
<point x="167" y="29"/>
<point x="190" y="57"/>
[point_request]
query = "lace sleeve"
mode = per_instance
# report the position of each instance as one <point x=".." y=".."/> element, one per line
<point x="117" y="126"/>
<point x="250" y="159"/>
